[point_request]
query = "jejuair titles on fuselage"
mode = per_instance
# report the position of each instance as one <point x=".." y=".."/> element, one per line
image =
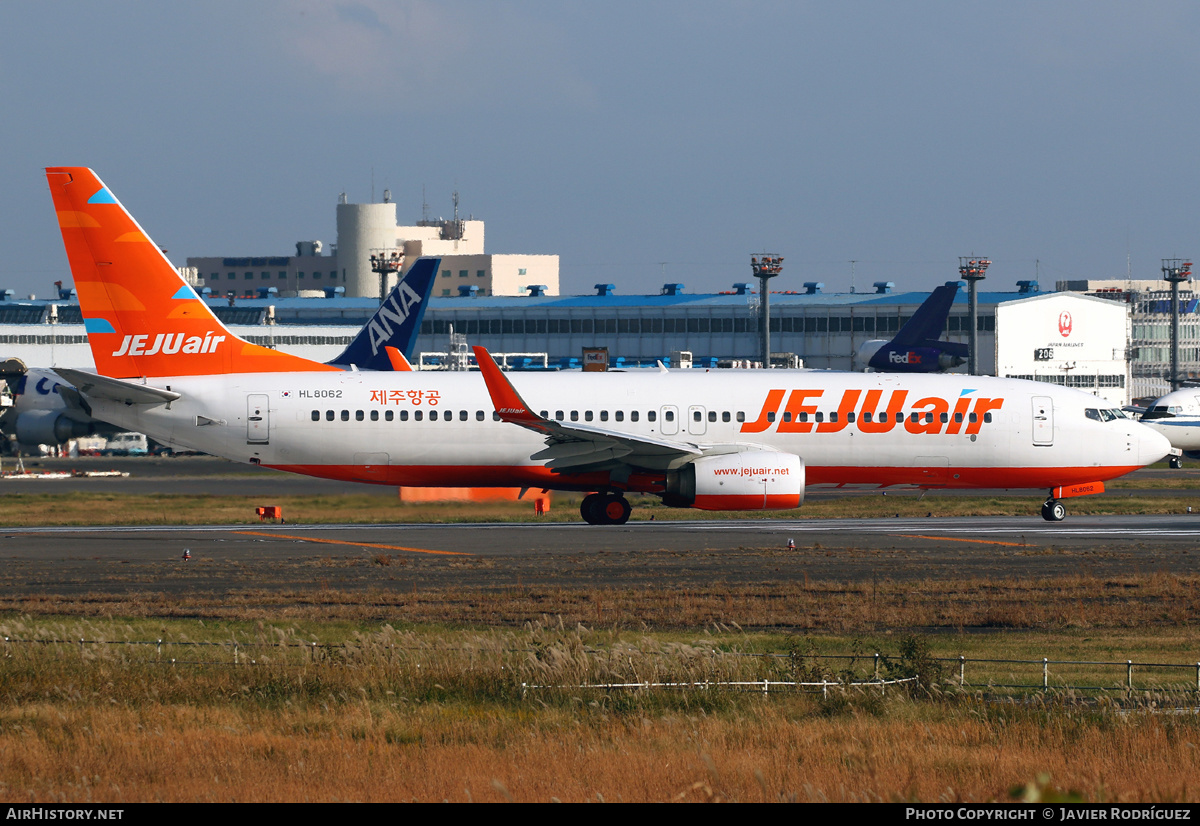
<point x="929" y="414"/>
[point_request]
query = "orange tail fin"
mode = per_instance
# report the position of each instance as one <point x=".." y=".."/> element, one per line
<point x="141" y="317"/>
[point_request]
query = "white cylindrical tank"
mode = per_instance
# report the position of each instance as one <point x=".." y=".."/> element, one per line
<point x="362" y="228"/>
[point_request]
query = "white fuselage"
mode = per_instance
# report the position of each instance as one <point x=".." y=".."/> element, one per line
<point x="439" y="428"/>
<point x="1177" y="416"/>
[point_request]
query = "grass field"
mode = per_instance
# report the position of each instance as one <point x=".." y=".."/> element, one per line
<point x="424" y="696"/>
<point x="439" y="714"/>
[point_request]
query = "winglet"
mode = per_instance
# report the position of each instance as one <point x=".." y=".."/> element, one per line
<point x="399" y="362"/>
<point x="505" y="398"/>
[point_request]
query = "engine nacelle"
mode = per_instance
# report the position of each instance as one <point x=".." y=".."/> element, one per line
<point x="49" y="427"/>
<point x="755" y="480"/>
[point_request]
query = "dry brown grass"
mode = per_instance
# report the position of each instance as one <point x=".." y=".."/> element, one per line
<point x="766" y="751"/>
<point x="438" y="715"/>
<point x="1066" y="602"/>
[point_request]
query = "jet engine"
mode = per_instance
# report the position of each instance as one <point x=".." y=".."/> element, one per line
<point x="49" y="427"/>
<point x="753" y="480"/>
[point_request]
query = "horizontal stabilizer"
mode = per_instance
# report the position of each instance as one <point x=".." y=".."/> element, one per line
<point x="102" y="387"/>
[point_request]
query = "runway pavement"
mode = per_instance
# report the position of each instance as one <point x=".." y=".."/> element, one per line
<point x="413" y="557"/>
<point x="357" y="557"/>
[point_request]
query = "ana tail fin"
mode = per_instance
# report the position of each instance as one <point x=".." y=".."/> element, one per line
<point x="396" y="323"/>
<point x="141" y="317"/>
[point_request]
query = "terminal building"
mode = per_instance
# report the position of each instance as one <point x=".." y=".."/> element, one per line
<point x="366" y="230"/>
<point x="1066" y="338"/>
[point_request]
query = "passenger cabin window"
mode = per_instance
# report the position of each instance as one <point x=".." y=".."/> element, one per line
<point x="345" y="415"/>
<point x="633" y="416"/>
<point x="619" y="415"/>
<point x="604" y="415"/>
<point x="374" y="415"/>
<point x="316" y="415"/>
<point x="404" y="415"/>
<point x="417" y="415"/>
<point x="389" y="415"/>
<point x="669" y="415"/>
<point x="358" y="416"/>
<point x="329" y="415"/>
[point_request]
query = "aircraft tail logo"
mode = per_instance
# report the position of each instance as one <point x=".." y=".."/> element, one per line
<point x="141" y="317"/>
<point x="396" y="323"/>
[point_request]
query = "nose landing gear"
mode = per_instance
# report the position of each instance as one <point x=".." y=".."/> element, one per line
<point x="1053" y="510"/>
<point x="605" y="509"/>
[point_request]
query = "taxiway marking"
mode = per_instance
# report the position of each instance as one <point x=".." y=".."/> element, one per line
<point x="356" y="544"/>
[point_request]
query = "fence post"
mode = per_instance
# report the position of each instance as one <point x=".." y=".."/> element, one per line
<point x="765" y="684"/>
<point x="235" y="653"/>
<point x="876" y="666"/>
<point x="1045" y="673"/>
<point x="1129" y="674"/>
<point x="158" y="649"/>
<point x="962" y="671"/>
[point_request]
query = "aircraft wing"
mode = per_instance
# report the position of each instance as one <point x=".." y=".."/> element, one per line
<point x="118" y="390"/>
<point x="576" y="448"/>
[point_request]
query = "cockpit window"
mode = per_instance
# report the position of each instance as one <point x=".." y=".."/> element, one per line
<point x="1106" y="415"/>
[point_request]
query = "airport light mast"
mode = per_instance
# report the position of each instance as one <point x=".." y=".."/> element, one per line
<point x="385" y="263"/>
<point x="765" y="267"/>
<point x="973" y="270"/>
<point x="1175" y="271"/>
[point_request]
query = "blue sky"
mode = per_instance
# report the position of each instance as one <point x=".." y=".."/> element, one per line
<point x="634" y="139"/>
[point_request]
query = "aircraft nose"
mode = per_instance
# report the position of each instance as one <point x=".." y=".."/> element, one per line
<point x="1151" y="445"/>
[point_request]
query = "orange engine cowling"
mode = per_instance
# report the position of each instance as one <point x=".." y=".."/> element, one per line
<point x="753" y="480"/>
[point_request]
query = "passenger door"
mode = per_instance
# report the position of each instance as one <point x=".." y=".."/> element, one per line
<point x="258" y="419"/>
<point x="1043" y="420"/>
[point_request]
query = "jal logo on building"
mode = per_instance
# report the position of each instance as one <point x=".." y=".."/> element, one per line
<point x="1064" y="324"/>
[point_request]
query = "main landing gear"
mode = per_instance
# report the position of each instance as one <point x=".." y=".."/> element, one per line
<point x="1053" y="510"/>
<point x="605" y="509"/>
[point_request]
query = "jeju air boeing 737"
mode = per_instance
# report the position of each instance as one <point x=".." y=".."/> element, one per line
<point x="720" y="440"/>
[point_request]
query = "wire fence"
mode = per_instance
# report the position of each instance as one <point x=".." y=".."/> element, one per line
<point x="724" y="669"/>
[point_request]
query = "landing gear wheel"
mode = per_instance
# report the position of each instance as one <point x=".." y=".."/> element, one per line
<point x="592" y="509"/>
<point x="1175" y="462"/>
<point x="1054" y="511"/>
<point x="616" y="509"/>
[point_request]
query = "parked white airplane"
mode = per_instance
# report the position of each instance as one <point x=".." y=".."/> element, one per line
<point x="729" y="440"/>
<point x="1177" y="416"/>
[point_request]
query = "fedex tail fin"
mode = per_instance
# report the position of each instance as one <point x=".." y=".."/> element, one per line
<point x="396" y="323"/>
<point x="141" y="317"/>
<point x="929" y="320"/>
